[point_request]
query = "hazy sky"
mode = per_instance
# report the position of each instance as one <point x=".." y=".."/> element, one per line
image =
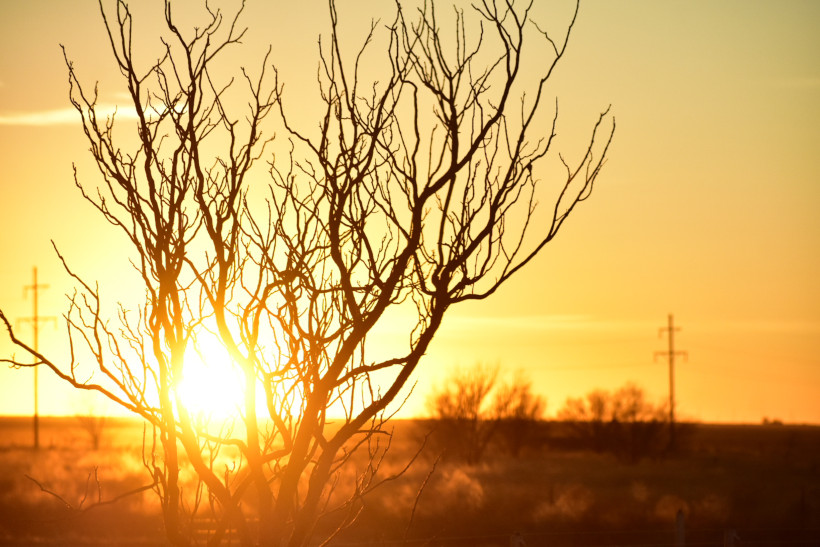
<point x="707" y="208"/>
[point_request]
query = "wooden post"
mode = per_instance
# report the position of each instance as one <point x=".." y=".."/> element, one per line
<point x="680" y="529"/>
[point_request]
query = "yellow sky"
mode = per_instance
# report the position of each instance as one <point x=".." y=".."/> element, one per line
<point x="706" y="209"/>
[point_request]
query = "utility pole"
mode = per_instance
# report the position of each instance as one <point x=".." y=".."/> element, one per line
<point x="671" y="353"/>
<point x="35" y="321"/>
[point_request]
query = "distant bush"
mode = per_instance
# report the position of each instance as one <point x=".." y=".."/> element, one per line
<point x="472" y="411"/>
<point x="93" y="425"/>
<point x="517" y="411"/>
<point x="622" y="422"/>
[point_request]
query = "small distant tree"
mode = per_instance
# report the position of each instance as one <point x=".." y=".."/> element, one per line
<point x="622" y="422"/>
<point x="472" y="411"/>
<point x="518" y="411"/>
<point x="589" y="417"/>
<point x="94" y="425"/>
<point x="416" y="187"/>
<point x="460" y="407"/>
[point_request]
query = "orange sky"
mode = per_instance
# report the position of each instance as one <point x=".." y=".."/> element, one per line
<point x="706" y="209"/>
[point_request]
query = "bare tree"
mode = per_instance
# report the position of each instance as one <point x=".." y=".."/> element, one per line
<point x="471" y="411"/>
<point x="589" y="417"/>
<point x="623" y="421"/>
<point x="93" y="424"/>
<point x="518" y="411"/>
<point x="416" y="190"/>
<point x="461" y="408"/>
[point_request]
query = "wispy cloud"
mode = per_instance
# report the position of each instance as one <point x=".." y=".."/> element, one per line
<point x="546" y="323"/>
<point x="591" y="324"/>
<point x="762" y="327"/>
<point x="61" y="116"/>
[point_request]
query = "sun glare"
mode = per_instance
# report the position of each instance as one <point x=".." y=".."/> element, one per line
<point x="211" y="387"/>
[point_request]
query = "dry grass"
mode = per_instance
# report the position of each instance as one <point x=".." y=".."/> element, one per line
<point x="748" y="478"/>
<point x="67" y="466"/>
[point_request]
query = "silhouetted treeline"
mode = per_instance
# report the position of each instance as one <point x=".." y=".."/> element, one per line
<point x="475" y="417"/>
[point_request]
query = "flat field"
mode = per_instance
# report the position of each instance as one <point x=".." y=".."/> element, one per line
<point x="763" y="482"/>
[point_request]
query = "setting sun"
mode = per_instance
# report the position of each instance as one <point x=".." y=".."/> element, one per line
<point x="211" y="385"/>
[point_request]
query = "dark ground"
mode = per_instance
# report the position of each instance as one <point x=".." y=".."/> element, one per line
<point x="762" y="481"/>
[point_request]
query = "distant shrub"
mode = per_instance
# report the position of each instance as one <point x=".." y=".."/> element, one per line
<point x="93" y="425"/>
<point x="622" y="422"/>
<point x="517" y="411"/>
<point x="472" y="411"/>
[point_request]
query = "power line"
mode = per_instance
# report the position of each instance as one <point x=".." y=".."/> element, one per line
<point x="670" y="354"/>
<point x="35" y="321"/>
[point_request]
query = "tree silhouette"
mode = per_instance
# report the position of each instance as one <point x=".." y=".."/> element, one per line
<point x="417" y="190"/>
<point x="460" y="406"/>
<point x="622" y="422"/>
<point x="94" y="426"/>
<point x="518" y="411"/>
<point x="472" y="410"/>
